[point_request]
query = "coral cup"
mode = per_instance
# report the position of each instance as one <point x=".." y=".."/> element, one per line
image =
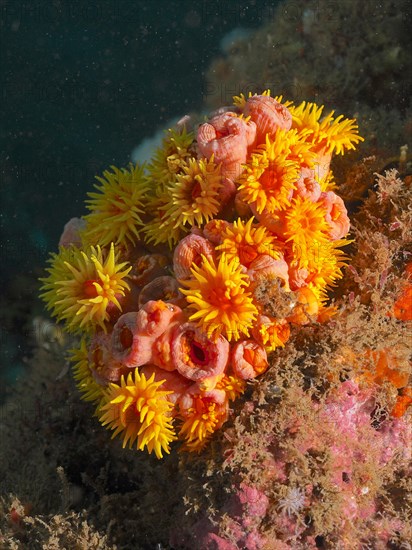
<point x="228" y="138"/>
<point x="189" y="251"/>
<point x="129" y="346"/>
<point x="71" y="233"/>
<point x="162" y="349"/>
<point x="264" y="267"/>
<point x="248" y="359"/>
<point x="196" y="356"/>
<point x="307" y="186"/>
<point x="336" y="214"/>
<point x="154" y="317"/>
<point x="268" y="115"/>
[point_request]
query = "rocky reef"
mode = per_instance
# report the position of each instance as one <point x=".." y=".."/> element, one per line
<point x="356" y="57"/>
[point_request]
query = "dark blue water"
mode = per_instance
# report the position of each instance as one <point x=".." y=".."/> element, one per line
<point x="82" y="83"/>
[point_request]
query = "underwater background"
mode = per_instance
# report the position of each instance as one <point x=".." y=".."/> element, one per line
<point x="82" y="85"/>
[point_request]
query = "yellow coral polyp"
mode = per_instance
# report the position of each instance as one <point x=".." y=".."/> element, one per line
<point x="233" y="386"/>
<point x="172" y="157"/>
<point x="269" y="178"/>
<point x="305" y="229"/>
<point x="116" y="207"/>
<point x="246" y="241"/>
<point x="325" y="263"/>
<point x="194" y="197"/>
<point x="161" y="229"/>
<point x="336" y="135"/>
<point x="82" y="286"/>
<point x="218" y="295"/>
<point x="139" y="411"/>
<point x="86" y="384"/>
<point x="200" y="422"/>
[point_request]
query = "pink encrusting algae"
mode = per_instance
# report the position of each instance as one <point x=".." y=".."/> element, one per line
<point x="174" y="336"/>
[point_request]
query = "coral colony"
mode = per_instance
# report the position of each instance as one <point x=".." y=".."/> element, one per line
<point x="190" y="270"/>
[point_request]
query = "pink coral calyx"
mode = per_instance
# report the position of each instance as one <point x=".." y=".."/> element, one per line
<point x="154" y="317"/>
<point x="268" y="115"/>
<point x="130" y="347"/>
<point x="197" y="357"/>
<point x="336" y="215"/>
<point x="248" y="359"/>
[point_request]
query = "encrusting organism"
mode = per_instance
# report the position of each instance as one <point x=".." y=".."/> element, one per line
<point x="189" y="270"/>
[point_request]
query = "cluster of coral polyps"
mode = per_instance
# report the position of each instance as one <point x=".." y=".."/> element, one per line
<point x="189" y="270"/>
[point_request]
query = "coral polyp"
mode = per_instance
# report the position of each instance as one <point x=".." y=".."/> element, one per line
<point x="244" y="202"/>
<point x="246" y="241"/>
<point x="117" y="206"/>
<point x="218" y="295"/>
<point x="269" y="180"/>
<point x="335" y="135"/>
<point x="194" y="197"/>
<point x="206" y="414"/>
<point x="83" y="286"/>
<point x="139" y="411"/>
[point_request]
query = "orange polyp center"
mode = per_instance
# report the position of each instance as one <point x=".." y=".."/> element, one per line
<point x="89" y="288"/>
<point x="335" y="213"/>
<point x="197" y="190"/>
<point x="272" y="179"/>
<point x="217" y="297"/>
<point x="247" y="254"/>
<point x="202" y="405"/>
<point x="308" y="183"/>
<point x="115" y="207"/>
<point x="126" y="338"/>
<point x="249" y="355"/>
<point x="255" y="359"/>
<point x="220" y="134"/>
<point x="142" y="266"/>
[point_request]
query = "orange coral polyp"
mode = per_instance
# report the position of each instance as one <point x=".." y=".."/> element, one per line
<point x="207" y="413"/>
<point x="271" y="333"/>
<point x="218" y="295"/>
<point x="269" y="178"/>
<point x="306" y="229"/>
<point x="195" y="356"/>
<point x="248" y="359"/>
<point x="247" y="241"/>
